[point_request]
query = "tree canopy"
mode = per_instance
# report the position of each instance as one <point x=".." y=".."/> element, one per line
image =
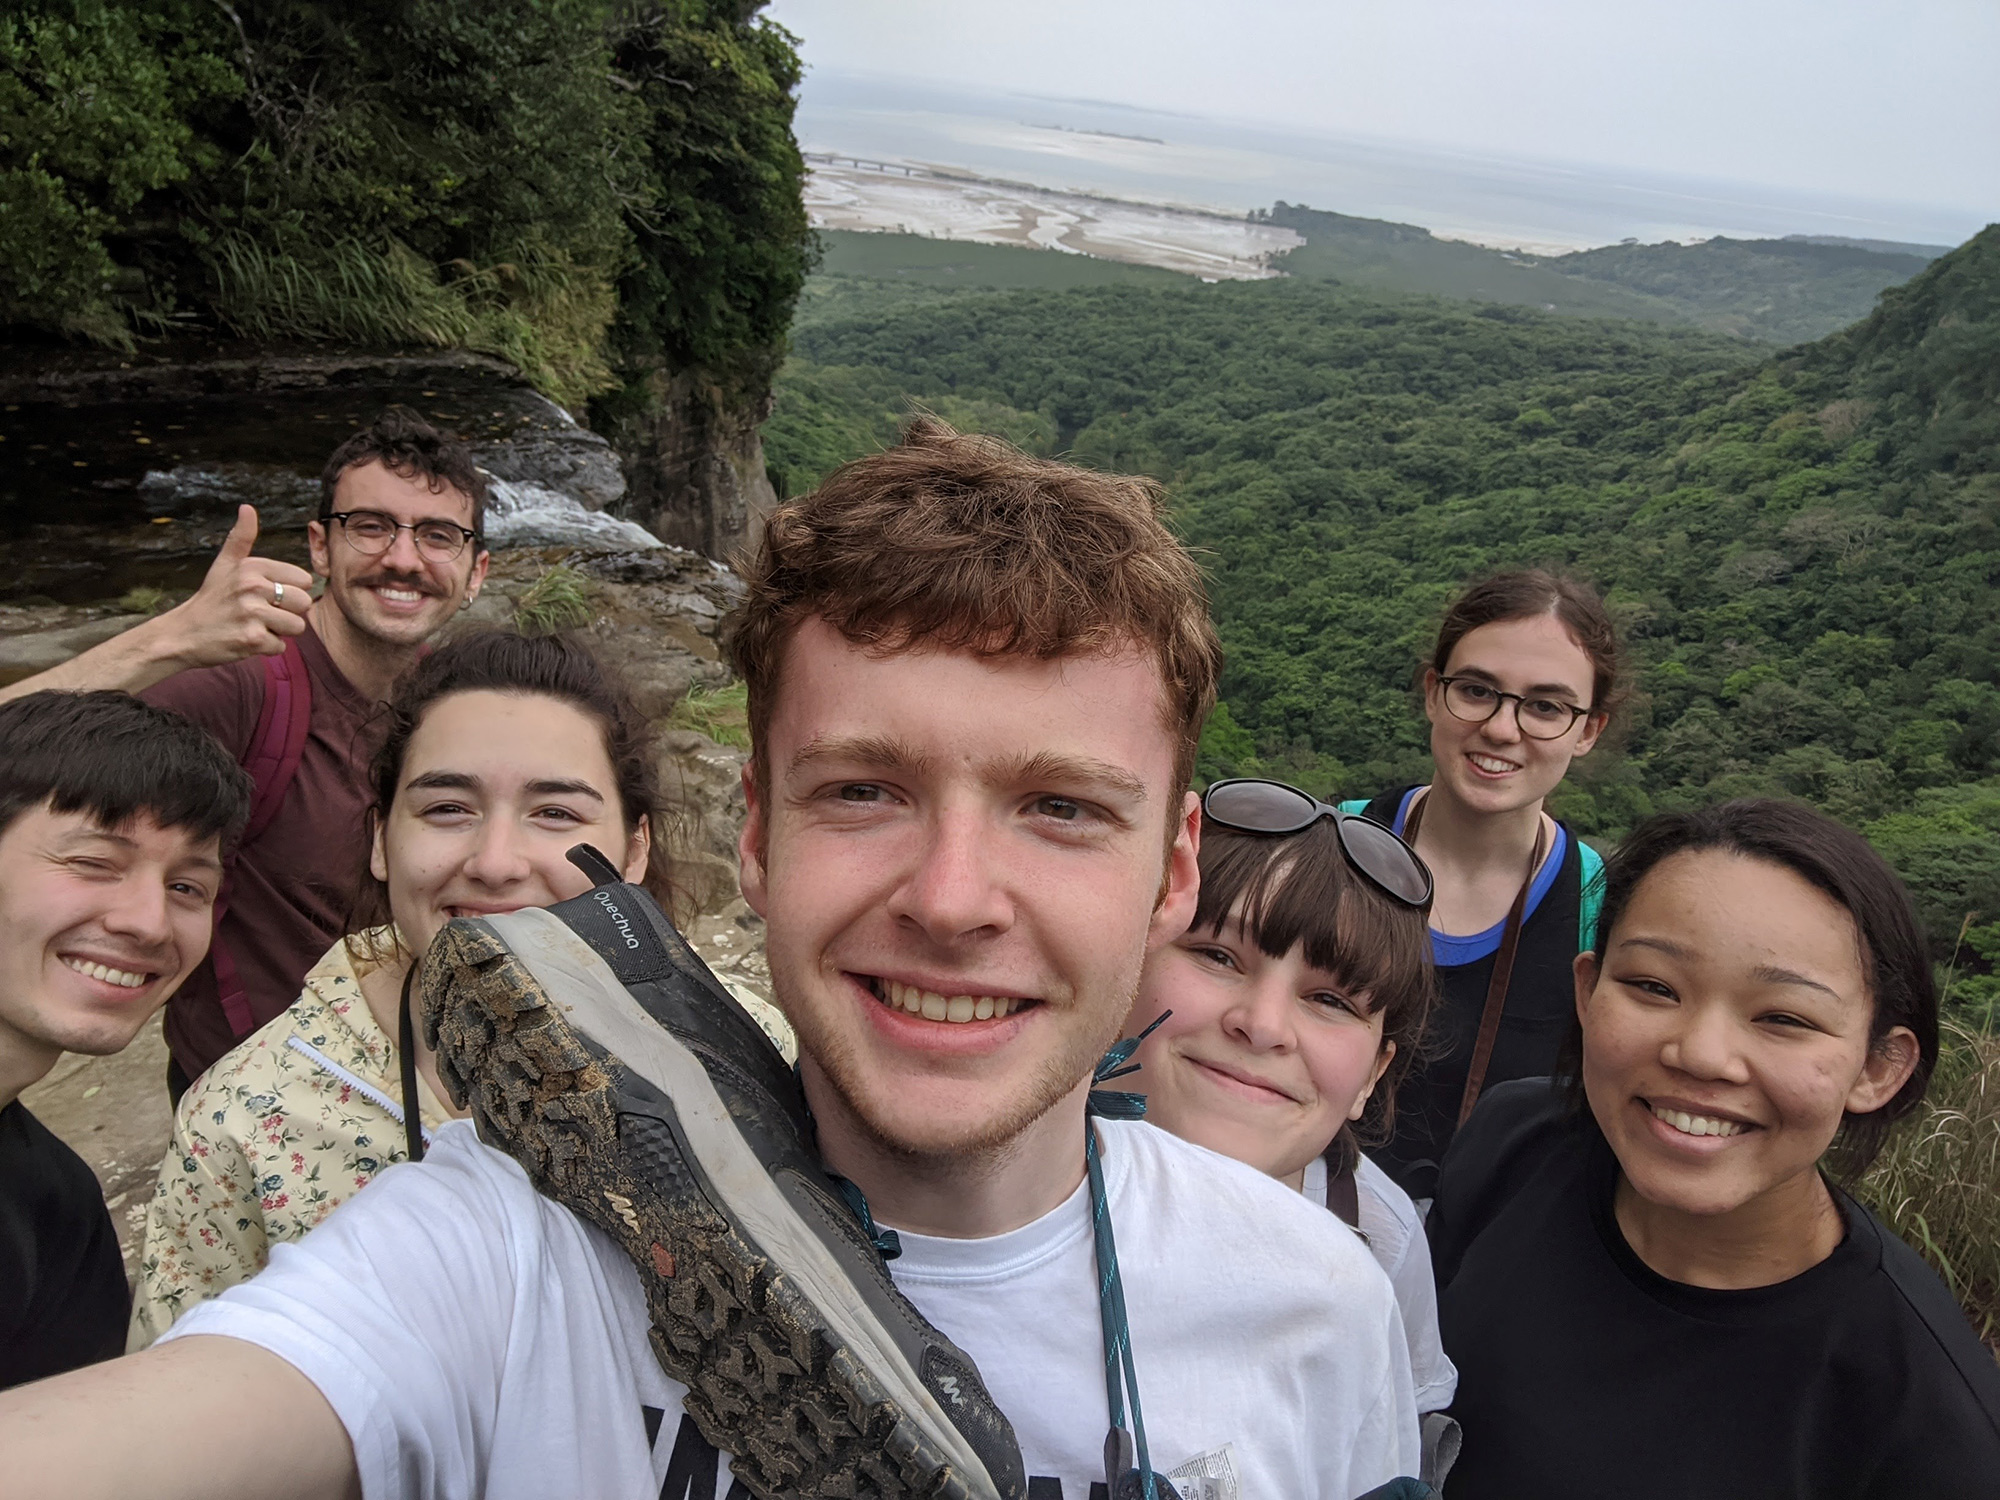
<point x="1775" y="291"/>
<point x="575" y="185"/>
<point x="1802" y="548"/>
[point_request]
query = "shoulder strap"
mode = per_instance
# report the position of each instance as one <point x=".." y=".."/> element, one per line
<point x="1343" y="1194"/>
<point x="406" y="1047"/>
<point x="280" y="739"/>
<point x="273" y="761"/>
<point x="1593" y="896"/>
<point x="1381" y="809"/>
<point x="1496" y="988"/>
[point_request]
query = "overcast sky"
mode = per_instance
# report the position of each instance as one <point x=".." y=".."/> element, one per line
<point x="1882" y="100"/>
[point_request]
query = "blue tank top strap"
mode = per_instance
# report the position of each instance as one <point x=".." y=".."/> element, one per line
<point x="1448" y="951"/>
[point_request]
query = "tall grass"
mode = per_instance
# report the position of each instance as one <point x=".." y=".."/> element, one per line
<point x="723" y="714"/>
<point x="558" y="600"/>
<point x="540" y="311"/>
<point x="1937" y="1183"/>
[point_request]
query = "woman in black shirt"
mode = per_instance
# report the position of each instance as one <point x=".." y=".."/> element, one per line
<point x="1522" y="681"/>
<point x="1649" y="1287"/>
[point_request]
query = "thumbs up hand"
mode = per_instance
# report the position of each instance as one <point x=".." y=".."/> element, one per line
<point x="246" y="606"/>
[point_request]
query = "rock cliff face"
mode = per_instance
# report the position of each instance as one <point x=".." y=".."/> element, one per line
<point x="655" y="619"/>
<point x="95" y="448"/>
<point x="694" y="465"/>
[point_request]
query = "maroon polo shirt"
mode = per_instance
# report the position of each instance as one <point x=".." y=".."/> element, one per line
<point x="292" y="889"/>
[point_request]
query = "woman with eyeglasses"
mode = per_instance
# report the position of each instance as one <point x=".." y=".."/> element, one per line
<point x="1288" y="1012"/>
<point x="1522" y="681"/>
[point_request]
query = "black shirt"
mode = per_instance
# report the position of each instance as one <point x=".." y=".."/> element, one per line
<point x="1541" y="1003"/>
<point x="1583" y="1373"/>
<point x="63" y="1298"/>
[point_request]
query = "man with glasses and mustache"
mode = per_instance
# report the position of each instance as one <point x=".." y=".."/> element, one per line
<point x="290" y="685"/>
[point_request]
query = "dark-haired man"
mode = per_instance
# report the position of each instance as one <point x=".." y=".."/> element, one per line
<point x="112" y="818"/>
<point x="399" y="541"/>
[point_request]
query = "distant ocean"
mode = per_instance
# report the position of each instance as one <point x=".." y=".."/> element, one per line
<point x="1187" y="160"/>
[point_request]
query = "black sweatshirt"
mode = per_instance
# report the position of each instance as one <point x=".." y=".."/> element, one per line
<point x="1541" y="1004"/>
<point x="63" y="1299"/>
<point x="1582" y="1373"/>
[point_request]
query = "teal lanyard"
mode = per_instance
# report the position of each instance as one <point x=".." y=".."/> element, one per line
<point x="1122" y="1450"/>
<point x="1128" y="1467"/>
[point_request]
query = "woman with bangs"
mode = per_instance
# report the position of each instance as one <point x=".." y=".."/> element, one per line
<point x="1286" y="1015"/>
<point x="503" y="753"/>
<point x="1655" y="1283"/>
<point x="1521" y="682"/>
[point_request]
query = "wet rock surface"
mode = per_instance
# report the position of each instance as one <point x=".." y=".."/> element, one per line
<point x="113" y="478"/>
<point x="569" y="459"/>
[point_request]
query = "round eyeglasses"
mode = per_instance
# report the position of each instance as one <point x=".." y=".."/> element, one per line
<point x="372" y="532"/>
<point x="1253" y="805"/>
<point x="1540" y="718"/>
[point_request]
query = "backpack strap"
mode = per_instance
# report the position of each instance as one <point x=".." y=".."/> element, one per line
<point x="272" y="762"/>
<point x="1343" y="1193"/>
<point x="280" y="738"/>
<point x="1592" y="901"/>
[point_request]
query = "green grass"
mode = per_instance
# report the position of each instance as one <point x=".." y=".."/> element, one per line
<point x="1937" y="1183"/>
<point x="919" y="260"/>
<point x="145" y="600"/>
<point x="558" y="600"/>
<point x="539" y="311"/>
<point x="723" y="714"/>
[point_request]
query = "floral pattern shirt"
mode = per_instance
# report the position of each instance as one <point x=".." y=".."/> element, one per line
<point x="280" y="1132"/>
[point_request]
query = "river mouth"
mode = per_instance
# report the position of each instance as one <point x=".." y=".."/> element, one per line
<point x="100" y="498"/>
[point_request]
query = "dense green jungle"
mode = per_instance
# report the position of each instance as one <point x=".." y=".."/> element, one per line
<point x="1777" y="291"/>
<point x="1801" y="545"/>
<point x="593" y="190"/>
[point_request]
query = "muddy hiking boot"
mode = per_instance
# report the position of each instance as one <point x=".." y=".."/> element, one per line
<point x="593" y="1046"/>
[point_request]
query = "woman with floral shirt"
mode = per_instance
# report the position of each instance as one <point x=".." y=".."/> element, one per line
<point x="503" y="752"/>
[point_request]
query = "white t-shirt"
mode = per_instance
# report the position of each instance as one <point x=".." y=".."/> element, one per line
<point x="477" y="1339"/>
<point x="1395" y="1234"/>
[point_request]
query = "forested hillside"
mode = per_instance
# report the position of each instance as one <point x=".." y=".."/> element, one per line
<point x="1803" y="548"/>
<point x="604" y="194"/>
<point x="1775" y="291"/>
<point x="1780" y="291"/>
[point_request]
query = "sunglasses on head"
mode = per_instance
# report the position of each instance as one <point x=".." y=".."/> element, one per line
<point x="1252" y="805"/>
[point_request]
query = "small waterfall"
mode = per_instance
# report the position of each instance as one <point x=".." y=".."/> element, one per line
<point x="519" y="513"/>
<point x="525" y="514"/>
<point x="283" y="496"/>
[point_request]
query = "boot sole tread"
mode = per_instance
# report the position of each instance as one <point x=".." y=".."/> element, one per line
<point x="766" y="1381"/>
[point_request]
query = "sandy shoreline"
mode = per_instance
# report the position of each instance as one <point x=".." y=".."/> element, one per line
<point x="843" y="192"/>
